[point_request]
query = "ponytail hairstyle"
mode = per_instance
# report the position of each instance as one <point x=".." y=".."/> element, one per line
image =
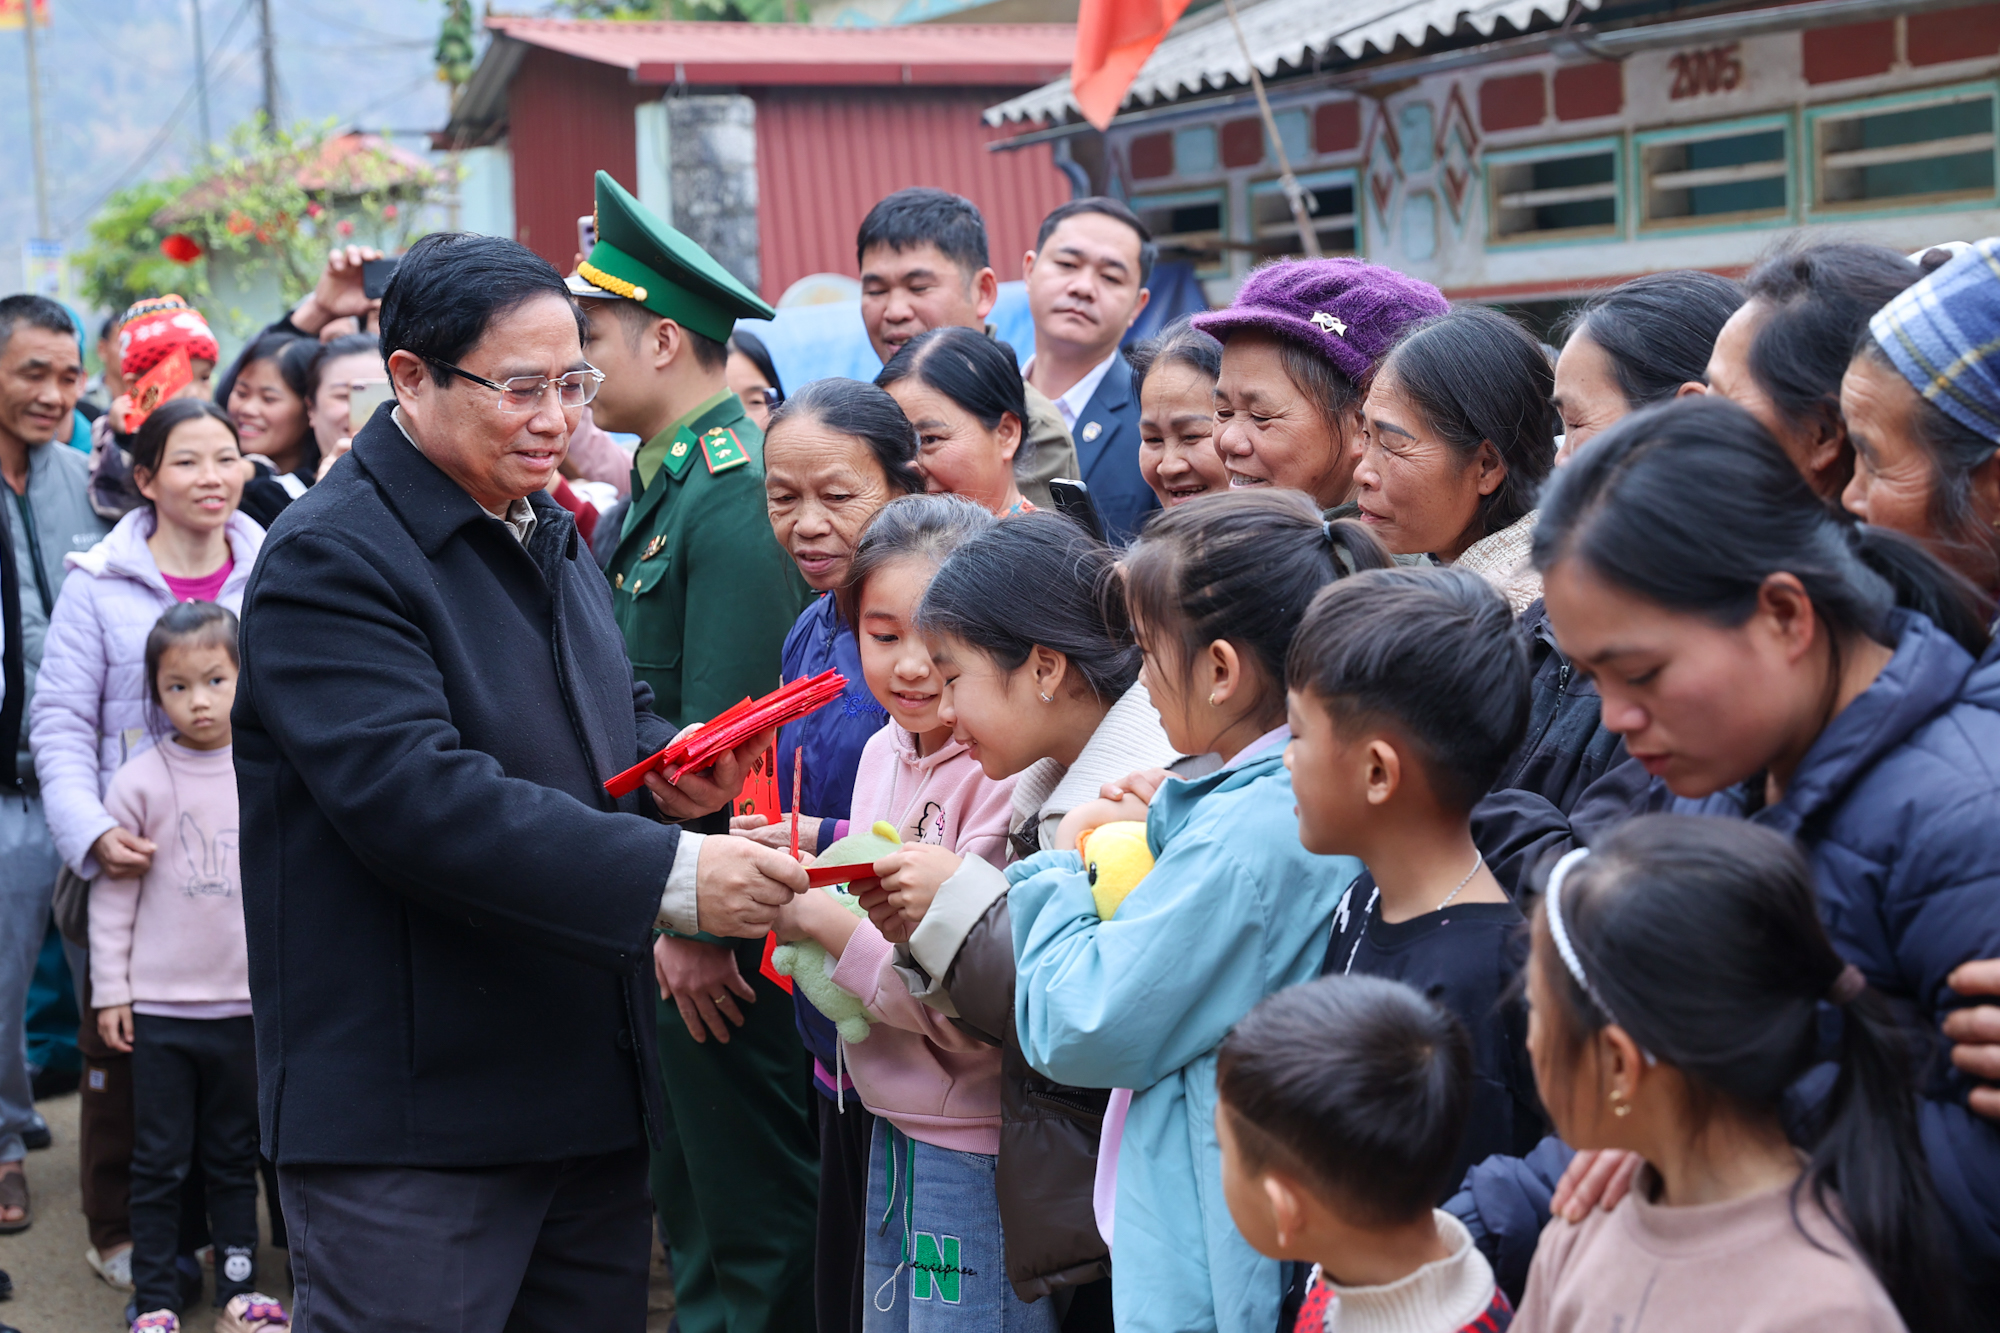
<point x="1178" y="344"/>
<point x="1692" y="505"/>
<point x="865" y="412"/>
<point x="1479" y="378"/>
<point x="973" y="370"/>
<point x="188" y="623"/>
<point x="1241" y="567"/>
<point x="1035" y="580"/>
<point x="927" y="526"/>
<point x="347" y="344"/>
<point x="1818" y="298"/>
<point x="1657" y="331"/>
<point x="1744" y="1026"/>
<point x="292" y="353"/>
<point x="150" y="441"/>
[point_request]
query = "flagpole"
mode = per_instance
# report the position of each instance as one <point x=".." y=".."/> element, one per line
<point x="1295" y="193"/>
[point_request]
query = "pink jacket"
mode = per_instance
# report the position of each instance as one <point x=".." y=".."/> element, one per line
<point x="917" y="1069"/>
<point x="89" y="713"/>
<point x="176" y="936"/>
<point x="944" y="798"/>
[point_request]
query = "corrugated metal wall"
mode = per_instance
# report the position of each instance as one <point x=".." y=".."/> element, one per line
<point x="824" y="156"/>
<point x="567" y="118"/>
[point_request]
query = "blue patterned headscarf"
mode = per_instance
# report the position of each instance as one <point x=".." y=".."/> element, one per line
<point x="1943" y="334"/>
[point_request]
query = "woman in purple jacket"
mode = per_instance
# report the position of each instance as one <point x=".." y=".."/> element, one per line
<point x="187" y="542"/>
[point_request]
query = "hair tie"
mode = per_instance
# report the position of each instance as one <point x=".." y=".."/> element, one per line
<point x="1341" y="555"/>
<point x="1560" y="934"/>
<point x="1849" y="984"/>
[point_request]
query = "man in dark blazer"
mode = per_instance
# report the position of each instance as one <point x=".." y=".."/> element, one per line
<point x="1086" y="281"/>
<point x="449" y="919"/>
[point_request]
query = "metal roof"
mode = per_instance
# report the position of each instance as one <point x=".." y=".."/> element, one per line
<point x="1201" y="54"/>
<point x="989" y="54"/>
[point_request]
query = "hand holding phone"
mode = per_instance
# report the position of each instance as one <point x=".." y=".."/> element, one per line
<point x="375" y="275"/>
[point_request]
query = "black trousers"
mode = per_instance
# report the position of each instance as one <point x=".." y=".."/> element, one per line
<point x="546" y="1247"/>
<point x="194" y="1090"/>
<point x="839" y="1233"/>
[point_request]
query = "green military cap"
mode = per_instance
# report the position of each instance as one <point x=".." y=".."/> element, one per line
<point x="640" y="258"/>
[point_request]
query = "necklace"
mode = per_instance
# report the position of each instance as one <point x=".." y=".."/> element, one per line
<point x="1478" y="860"/>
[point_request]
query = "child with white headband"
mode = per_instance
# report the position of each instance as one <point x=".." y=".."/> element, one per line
<point x="1676" y="988"/>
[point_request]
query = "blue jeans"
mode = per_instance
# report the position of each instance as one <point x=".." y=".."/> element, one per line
<point x="28" y="865"/>
<point x="935" y="1256"/>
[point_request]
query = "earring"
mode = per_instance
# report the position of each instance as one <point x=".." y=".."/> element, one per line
<point x="1211" y="698"/>
<point x="1619" y="1106"/>
<point x="1048" y="699"/>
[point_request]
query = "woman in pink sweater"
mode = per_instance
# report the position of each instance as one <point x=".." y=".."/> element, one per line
<point x="934" y="1246"/>
<point x="172" y="978"/>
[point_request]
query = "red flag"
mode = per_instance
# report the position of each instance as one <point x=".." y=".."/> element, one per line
<point x="1113" y="39"/>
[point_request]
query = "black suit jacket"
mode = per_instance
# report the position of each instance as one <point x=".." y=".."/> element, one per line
<point x="449" y="920"/>
<point x="1107" y="453"/>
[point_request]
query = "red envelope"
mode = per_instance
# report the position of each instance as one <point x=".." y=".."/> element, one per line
<point x="821" y="877"/>
<point x="156" y="386"/>
<point x="729" y="729"/>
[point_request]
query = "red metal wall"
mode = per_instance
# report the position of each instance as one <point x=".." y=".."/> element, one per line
<point x="825" y="155"/>
<point x="567" y="119"/>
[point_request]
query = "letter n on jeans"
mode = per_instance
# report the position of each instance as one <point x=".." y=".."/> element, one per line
<point x="937" y="1261"/>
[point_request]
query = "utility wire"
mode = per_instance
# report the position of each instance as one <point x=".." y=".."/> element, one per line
<point x="147" y="154"/>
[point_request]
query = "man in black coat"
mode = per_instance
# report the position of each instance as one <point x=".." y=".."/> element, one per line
<point x="449" y="919"/>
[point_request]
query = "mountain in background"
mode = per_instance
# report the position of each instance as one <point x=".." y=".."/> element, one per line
<point x="118" y="101"/>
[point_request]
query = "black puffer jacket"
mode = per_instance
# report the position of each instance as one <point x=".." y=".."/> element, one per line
<point x="1569" y="776"/>
<point x="1048" y="1130"/>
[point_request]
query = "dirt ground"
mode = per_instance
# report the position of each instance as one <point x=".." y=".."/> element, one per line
<point x="55" y="1291"/>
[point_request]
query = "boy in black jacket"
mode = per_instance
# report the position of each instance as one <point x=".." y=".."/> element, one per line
<point x="1408" y="690"/>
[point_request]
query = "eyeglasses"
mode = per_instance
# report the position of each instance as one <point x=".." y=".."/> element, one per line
<point x="523" y="393"/>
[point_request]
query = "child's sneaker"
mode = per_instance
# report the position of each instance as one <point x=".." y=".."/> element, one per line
<point x="159" y="1321"/>
<point x="253" y="1312"/>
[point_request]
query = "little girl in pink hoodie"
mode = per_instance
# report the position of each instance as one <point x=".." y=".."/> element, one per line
<point x="934" y="1250"/>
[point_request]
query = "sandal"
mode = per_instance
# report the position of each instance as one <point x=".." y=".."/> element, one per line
<point x="253" y="1312"/>
<point x="14" y="1194"/>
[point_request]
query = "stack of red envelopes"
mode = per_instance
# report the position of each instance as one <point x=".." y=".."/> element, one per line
<point x="730" y="728"/>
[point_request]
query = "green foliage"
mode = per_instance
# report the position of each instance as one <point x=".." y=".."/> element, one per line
<point x="123" y="262"/>
<point x="454" y="44"/>
<point x="264" y="212"/>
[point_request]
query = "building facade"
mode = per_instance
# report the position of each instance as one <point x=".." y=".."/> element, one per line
<point x="768" y="143"/>
<point x="1537" y="164"/>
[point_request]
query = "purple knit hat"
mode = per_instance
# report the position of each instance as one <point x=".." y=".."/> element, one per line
<point x="1348" y="311"/>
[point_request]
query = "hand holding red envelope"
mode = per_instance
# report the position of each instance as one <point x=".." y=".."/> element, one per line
<point x="701" y="747"/>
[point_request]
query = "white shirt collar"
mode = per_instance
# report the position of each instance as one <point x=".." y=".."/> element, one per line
<point x="1072" y="403"/>
<point x="520" y="516"/>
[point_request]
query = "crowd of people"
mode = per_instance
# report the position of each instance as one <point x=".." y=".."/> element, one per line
<point x="1436" y="831"/>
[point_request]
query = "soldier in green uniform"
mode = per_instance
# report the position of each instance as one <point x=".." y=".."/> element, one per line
<point x="705" y="597"/>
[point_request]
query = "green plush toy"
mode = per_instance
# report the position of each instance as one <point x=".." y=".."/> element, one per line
<point x="809" y="965"/>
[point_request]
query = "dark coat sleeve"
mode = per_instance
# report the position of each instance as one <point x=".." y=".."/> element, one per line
<point x="1519" y="830"/>
<point x="341" y="677"/>
<point x="1504" y="1203"/>
<point x="981" y="979"/>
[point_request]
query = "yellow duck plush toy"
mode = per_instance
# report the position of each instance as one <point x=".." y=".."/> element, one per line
<point x="1116" y="858"/>
<point x="809" y="965"/>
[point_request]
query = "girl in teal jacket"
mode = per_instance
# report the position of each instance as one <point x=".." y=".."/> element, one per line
<point x="1233" y="909"/>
